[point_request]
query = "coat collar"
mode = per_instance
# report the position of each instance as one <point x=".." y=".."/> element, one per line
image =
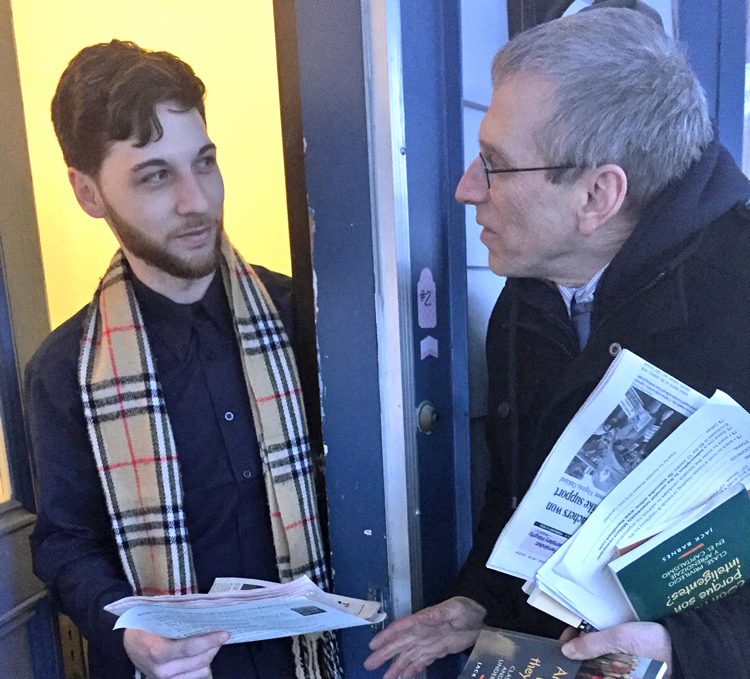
<point x="670" y="229"/>
<point x="711" y="186"/>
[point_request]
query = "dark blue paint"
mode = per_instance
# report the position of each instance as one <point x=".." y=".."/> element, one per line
<point x="41" y="629"/>
<point x="332" y="84"/>
<point x="455" y="239"/>
<point x="19" y="461"/>
<point x="44" y="643"/>
<point x="432" y="102"/>
<point x="732" y="75"/>
<point x="699" y="30"/>
<point x="714" y="34"/>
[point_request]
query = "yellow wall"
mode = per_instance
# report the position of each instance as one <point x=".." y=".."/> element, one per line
<point x="230" y="45"/>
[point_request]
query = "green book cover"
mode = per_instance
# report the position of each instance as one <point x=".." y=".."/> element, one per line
<point x="500" y="654"/>
<point x="690" y="565"/>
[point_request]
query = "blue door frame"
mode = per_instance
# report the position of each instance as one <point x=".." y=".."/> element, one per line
<point x="29" y="645"/>
<point x="333" y="86"/>
<point x="714" y="34"/>
<point x="431" y="57"/>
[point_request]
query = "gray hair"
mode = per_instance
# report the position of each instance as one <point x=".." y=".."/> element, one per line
<point x="624" y="93"/>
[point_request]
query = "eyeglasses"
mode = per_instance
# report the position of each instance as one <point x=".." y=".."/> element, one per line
<point x="488" y="171"/>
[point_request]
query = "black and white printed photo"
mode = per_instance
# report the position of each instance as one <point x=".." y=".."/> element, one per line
<point x="632" y="430"/>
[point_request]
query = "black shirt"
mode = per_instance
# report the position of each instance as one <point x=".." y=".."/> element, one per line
<point x="199" y="368"/>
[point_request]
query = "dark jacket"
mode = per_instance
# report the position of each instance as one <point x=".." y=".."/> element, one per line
<point x="225" y="506"/>
<point x="678" y="295"/>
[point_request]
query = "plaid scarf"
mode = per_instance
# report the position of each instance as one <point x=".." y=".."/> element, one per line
<point x="131" y="436"/>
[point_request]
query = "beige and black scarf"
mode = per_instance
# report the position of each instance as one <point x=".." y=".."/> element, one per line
<point x="135" y="451"/>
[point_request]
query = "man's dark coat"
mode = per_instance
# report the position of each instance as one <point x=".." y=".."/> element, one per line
<point x="678" y="295"/>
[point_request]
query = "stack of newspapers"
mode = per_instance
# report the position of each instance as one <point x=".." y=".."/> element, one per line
<point x="250" y="610"/>
<point x="643" y="453"/>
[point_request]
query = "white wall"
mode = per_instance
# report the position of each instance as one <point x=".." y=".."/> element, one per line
<point x="484" y="30"/>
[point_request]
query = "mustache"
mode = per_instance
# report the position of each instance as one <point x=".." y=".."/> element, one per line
<point x="193" y="223"/>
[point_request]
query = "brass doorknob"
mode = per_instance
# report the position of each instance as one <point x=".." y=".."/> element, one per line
<point x="427" y="417"/>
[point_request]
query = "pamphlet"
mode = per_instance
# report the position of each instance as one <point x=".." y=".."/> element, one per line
<point x="703" y="557"/>
<point x="250" y="610"/>
<point x="500" y="654"/>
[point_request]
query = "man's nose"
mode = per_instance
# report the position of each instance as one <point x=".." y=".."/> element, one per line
<point x="472" y="188"/>
<point x="191" y="196"/>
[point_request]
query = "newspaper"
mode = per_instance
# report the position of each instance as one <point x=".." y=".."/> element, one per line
<point x="250" y="610"/>
<point x="707" y="454"/>
<point x="632" y="409"/>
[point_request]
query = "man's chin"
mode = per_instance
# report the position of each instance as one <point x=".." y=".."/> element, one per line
<point x="199" y="269"/>
<point x="188" y="268"/>
<point x="500" y="266"/>
<point x="191" y="263"/>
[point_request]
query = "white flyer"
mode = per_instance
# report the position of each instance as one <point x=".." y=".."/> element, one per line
<point x="633" y="409"/>
<point x="250" y="610"/>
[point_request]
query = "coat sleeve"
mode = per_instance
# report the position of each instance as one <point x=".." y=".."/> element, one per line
<point x="499" y="593"/>
<point x="712" y="641"/>
<point x="491" y="589"/>
<point x="73" y="547"/>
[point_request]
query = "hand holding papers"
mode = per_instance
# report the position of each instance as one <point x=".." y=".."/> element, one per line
<point x="616" y="469"/>
<point x="250" y="610"/>
<point x="503" y="654"/>
<point x="709" y="453"/>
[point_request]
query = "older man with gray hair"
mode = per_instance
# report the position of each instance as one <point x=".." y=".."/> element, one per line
<point x="619" y="222"/>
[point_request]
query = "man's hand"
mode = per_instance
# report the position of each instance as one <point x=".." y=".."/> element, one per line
<point x="423" y="637"/>
<point x="647" y="639"/>
<point x="160" y="658"/>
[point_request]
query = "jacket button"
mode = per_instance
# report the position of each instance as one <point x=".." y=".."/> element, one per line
<point x="614" y="349"/>
<point x="503" y="409"/>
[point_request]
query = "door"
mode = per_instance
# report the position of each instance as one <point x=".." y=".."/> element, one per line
<point x="28" y="644"/>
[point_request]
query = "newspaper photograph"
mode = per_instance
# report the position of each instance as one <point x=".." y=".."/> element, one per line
<point x="631" y="431"/>
<point x="633" y="409"/>
<point x="705" y="456"/>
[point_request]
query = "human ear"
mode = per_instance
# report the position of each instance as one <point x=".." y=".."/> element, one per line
<point x="87" y="193"/>
<point x="605" y="189"/>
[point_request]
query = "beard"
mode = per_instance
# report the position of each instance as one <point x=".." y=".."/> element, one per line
<point x="158" y="254"/>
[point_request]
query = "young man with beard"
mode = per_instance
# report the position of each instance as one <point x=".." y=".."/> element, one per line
<point x="166" y="416"/>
